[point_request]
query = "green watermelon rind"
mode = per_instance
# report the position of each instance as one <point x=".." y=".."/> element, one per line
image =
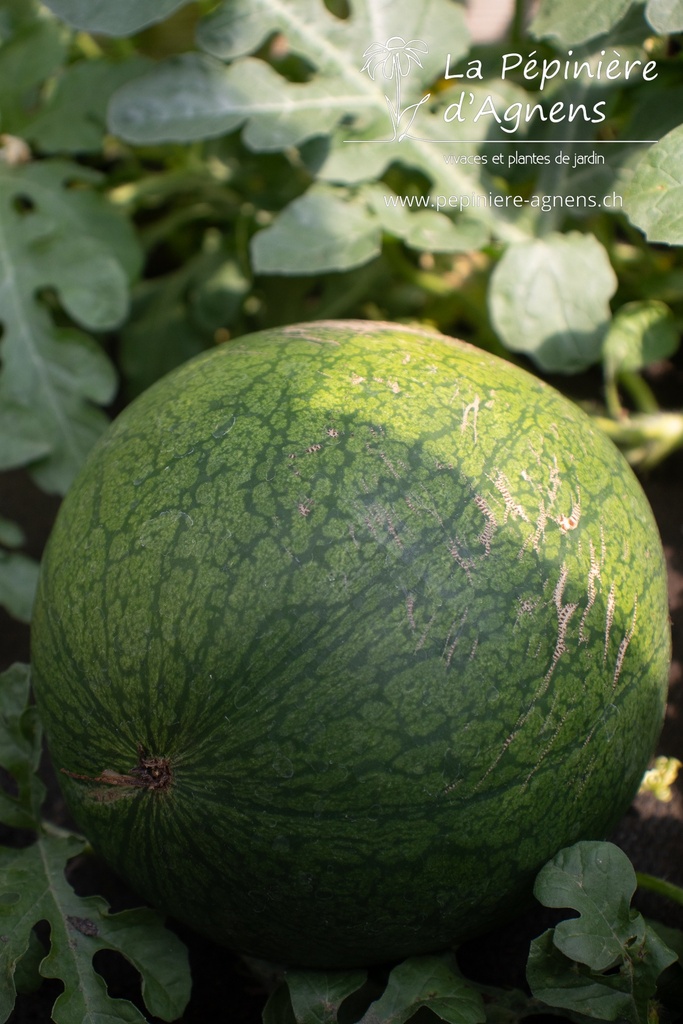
<point x="391" y="614"/>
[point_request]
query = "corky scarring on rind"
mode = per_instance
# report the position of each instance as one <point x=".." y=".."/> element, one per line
<point x="394" y="612"/>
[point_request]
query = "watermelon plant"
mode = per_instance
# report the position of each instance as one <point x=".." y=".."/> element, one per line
<point x="174" y="175"/>
<point x="342" y="632"/>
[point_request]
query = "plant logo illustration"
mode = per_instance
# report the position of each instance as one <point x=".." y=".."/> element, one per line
<point x="395" y="58"/>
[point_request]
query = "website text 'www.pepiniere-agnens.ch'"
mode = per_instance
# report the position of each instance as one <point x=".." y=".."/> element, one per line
<point x="493" y="200"/>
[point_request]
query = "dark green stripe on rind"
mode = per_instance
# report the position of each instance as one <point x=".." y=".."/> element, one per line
<point x="394" y="610"/>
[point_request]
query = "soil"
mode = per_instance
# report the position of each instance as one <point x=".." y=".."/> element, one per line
<point x="224" y="988"/>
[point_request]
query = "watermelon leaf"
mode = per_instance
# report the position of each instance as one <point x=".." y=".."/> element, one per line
<point x="670" y="985"/>
<point x="641" y="333"/>
<point x="579" y="22"/>
<point x="18" y="582"/>
<point x="665" y="16"/>
<point x="32" y="52"/>
<point x="20" y="750"/>
<point x="330" y="228"/>
<point x="431" y="982"/>
<point x="120" y="19"/>
<point x="318" y="232"/>
<point x="549" y="298"/>
<point x="33" y="888"/>
<point x="312" y="997"/>
<point x="654" y="199"/>
<point x="425" y="228"/>
<point x="605" y="962"/>
<point x="196" y="95"/>
<point x="18" y="573"/>
<point x="57" y="236"/>
<point x="278" y="1009"/>
<point x="73" y="118"/>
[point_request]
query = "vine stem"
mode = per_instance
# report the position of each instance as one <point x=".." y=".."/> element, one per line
<point x="640" y="391"/>
<point x="518" y="22"/>
<point x="660" y="886"/>
<point x="648" y="438"/>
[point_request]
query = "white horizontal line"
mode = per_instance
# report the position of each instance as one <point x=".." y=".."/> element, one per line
<point x="556" y="142"/>
<point x="522" y="142"/>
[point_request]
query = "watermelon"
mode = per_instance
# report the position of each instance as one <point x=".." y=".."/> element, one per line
<point x="344" y="629"/>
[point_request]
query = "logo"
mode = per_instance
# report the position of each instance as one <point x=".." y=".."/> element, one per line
<point x="396" y="58"/>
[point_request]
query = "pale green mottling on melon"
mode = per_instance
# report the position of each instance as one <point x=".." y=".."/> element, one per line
<point x="394" y="610"/>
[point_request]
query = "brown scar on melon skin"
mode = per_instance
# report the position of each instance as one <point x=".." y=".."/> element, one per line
<point x="571" y="521"/>
<point x="628" y="636"/>
<point x="512" y="508"/>
<point x="473" y="408"/>
<point x="151" y="772"/>
<point x="564" y="614"/>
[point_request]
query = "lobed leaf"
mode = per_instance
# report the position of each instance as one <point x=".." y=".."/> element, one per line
<point x="312" y="997"/>
<point x="317" y="233"/>
<point x="122" y="18"/>
<point x="196" y="96"/>
<point x="549" y="298"/>
<point x="33" y="888"/>
<point x="330" y="229"/>
<point x="605" y="962"/>
<point x="56" y="236"/>
<point x="334" y="45"/>
<point x="427" y="982"/>
<point x="349" y="113"/>
<point x="654" y="198"/>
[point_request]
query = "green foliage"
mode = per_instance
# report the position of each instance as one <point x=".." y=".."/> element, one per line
<point x="292" y="131"/>
<point x="654" y="200"/>
<point x="579" y="22"/>
<point x="312" y="997"/>
<point x="550" y="299"/>
<point x="665" y="15"/>
<point x="73" y="119"/>
<point x="318" y="231"/>
<point x="641" y="333"/>
<point x="20" y="749"/>
<point x="57" y="233"/>
<point x="33" y="888"/>
<point x="606" y="962"/>
<point x="242" y="169"/>
<point x="426" y="982"/>
<point x="120" y="19"/>
<point x="417" y="984"/>
<point x="18" y="573"/>
<point x="609" y="972"/>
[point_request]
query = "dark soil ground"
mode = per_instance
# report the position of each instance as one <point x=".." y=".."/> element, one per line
<point x="224" y="990"/>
